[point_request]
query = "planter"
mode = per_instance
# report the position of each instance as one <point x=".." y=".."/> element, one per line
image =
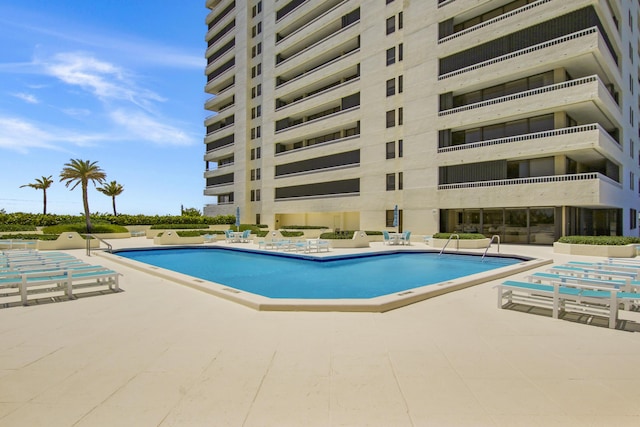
<point x="67" y="240"/>
<point x="626" y="251"/>
<point x="461" y="244"/>
<point x="170" y="237"/>
<point x="359" y="240"/>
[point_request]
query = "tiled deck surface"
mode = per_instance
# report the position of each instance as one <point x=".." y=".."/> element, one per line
<point x="162" y="354"/>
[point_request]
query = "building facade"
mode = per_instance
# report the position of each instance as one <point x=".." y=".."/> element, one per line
<point x="510" y="118"/>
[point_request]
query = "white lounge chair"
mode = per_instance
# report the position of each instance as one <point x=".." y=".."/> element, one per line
<point x="560" y="297"/>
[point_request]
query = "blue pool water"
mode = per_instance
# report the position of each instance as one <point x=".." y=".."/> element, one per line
<point x="284" y="276"/>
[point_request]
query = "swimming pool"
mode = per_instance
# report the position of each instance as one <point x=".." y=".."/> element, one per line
<point x="353" y="278"/>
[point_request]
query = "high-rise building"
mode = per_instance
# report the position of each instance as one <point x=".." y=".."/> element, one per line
<point x="516" y="118"/>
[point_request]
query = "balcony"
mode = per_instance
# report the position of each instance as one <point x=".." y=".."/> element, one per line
<point x="581" y="52"/>
<point x="493" y="21"/>
<point x="588" y="96"/>
<point x="584" y="189"/>
<point x="319" y="55"/>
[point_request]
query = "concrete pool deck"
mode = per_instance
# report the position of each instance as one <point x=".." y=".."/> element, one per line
<point x="162" y="354"/>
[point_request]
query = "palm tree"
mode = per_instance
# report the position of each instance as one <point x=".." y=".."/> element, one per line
<point x="41" y="184"/>
<point x="112" y="190"/>
<point x="81" y="172"/>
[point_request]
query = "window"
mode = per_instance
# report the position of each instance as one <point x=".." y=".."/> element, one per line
<point x="391" y="118"/>
<point x="400" y="116"/>
<point x="391" y="150"/>
<point x="257" y="174"/>
<point x="391" y="87"/>
<point x="391" y="56"/>
<point x="400" y="84"/>
<point x="391" y="25"/>
<point x="391" y="182"/>
<point x="400" y="49"/>
<point x="400" y="25"/>
<point x="633" y="218"/>
<point x="258" y="134"/>
<point x="253" y="153"/>
<point x="253" y="92"/>
<point x="400" y="148"/>
<point x="257" y="195"/>
<point x="253" y="136"/>
<point x="253" y="174"/>
<point x="253" y="195"/>
<point x="400" y="178"/>
<point x="258" y="150"/>
<point x="259" y="90"/>
<point x="632" y="181"/>
<point x="632" y="150"/>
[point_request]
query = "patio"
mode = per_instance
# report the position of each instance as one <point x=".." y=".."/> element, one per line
<point x="162" y="354"/>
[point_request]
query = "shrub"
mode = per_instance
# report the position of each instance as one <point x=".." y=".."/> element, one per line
<point x="342" y="235"/>
<point x="178" y="226"/>
<point x="82" y="228"/>
<point x="600" y="240"/>
<point x="463" y="236"/>
<point x="31" y="236"/>
<point x="292" y="233"/>
<point x="17" y="227"/>
<point x="303" y="227"/>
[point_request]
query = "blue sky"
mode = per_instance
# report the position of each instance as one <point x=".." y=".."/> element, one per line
<point x="120" y="82"/>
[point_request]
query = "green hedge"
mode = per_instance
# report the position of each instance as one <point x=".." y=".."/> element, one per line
<point x="17" y="227"/>
<point x="178" y="226"/>
<point x="303" y="227"/>
<point x="40" y="220"/>
<point x="600" y="240"/>
<point x="82" y="228"/>
<point x="463" y="236"/>
<point x="30" y="236"/>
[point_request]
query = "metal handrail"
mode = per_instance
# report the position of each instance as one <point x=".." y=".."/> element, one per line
<point x="110" y="248"/>
<point x="448" y="240"/>
<point x="490" y="242"/>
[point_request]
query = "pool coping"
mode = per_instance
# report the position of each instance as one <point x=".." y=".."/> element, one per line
<point x="378" y="304"/>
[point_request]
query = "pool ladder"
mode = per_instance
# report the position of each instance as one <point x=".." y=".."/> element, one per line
<point x="88" y="241"/>
<point x="457" y="236"/>
<point x="494" y="237"/>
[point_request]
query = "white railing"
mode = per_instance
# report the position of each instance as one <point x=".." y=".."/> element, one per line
<point x="521" y="52"/>
<point x="332" y="115"/>
<point x="320" y="67"/>
<point x="519" y="95"/>
<point x="323" y="92"/>
<point x="492" y="21"/>
<point x="534" y="180"/>
<point x="318" y="43"/>
<point x="309" y="23"/>
<point x="524" y="137"/>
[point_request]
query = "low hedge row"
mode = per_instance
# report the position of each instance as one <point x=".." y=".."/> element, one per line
<point x="462" y="236"/>
<point x="178" y="226"/>
<point x="41" y="220"/>
<point x="30" y="236"/>
<point x="82" y="228"/>
<point x="600" y="240"/>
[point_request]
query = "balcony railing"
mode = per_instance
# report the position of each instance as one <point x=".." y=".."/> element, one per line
<point x="535" y="180"/>
<point x="524" y="137"/>
<point x="318" y="119"/>
<point x="550" y="43"/>
<point x="492" y="21"/>
<point x="319" y="67"/>
<point x="307" y="49"/>
<point x="526" y="93"/>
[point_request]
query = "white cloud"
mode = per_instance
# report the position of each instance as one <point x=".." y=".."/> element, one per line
<point x="27" y="97"/>
<point x="139" y="125"/>
<point x="21" y="135"/>
<point x="104" y="80"/>
<point x="76" y="112"/>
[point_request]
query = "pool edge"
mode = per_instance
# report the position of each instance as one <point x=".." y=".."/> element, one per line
<point x="379" y="304"/>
